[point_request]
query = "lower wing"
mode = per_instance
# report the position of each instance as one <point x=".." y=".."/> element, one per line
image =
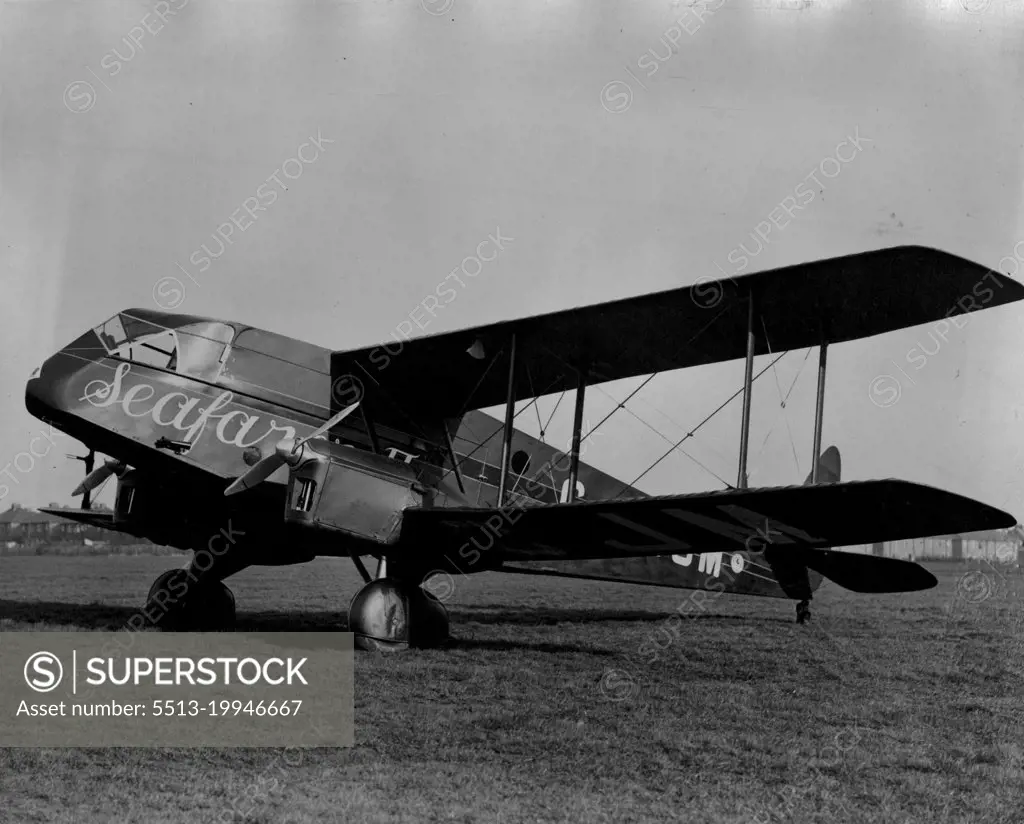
<point x="784" y="522"/>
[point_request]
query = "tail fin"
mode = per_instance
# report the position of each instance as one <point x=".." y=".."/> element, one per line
<point x="859" y="573"/>
<point x="797" y="579"/>
<point x="830" y="467"/>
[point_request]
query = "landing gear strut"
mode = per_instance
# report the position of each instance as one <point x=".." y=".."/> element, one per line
<point x="803" y="611"/>
<point x="392" y="614"/>
<point x="182" y="602"/>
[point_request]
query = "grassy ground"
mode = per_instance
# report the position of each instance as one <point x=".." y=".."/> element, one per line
<point x="884" y="708"/>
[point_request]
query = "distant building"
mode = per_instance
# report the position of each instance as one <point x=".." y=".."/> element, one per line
<point x="21" y="525"/>
<point x="1003" y="546"/>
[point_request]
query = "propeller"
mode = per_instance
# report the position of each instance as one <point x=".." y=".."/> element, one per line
<point x="288" y="451"/>
<point x="99" y="475"/>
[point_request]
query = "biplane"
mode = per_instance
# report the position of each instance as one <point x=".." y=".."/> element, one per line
<point x="249" y="447"/>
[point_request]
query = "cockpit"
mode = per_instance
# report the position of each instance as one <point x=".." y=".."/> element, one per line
<point x="288" y="374"/>
<point x="195" y="349"/>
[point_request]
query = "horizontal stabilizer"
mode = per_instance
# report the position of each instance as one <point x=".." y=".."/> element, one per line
<point x="869" y="573"/>
<point x="85" y="516"/>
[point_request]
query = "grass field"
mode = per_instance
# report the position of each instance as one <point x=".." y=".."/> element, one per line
<point x="884" y="708"/>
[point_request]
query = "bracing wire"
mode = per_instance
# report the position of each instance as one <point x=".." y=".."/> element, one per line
<point x="667" y="439"/>
<point x="783" y="400"/>
<point x="678" y="425"/>
<point x="536" y="407"/>
<point x="692" y="432"/>
<point x="551" y="417"/>
<point x="515" y="415"/>
<point x="778" y="386"/>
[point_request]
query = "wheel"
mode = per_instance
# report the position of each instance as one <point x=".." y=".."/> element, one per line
<point x="390" y="614"/>
<point x="180" y="603"/>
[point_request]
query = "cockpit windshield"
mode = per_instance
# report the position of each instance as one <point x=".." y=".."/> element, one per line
<point x="195" y="349"/>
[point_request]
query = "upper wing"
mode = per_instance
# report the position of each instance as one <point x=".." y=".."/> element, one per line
<point x="795" y="307"/>
<point x="842" y="514"/>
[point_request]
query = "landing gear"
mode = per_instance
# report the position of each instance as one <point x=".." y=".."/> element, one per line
<point x="803" y="612"/>
<point x="180" y="602"/>
<point x="392" y="614"/>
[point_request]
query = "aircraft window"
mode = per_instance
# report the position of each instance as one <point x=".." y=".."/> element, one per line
<point x="520" y="462"/>
<point x="295" y="370"/>
<point x="111" y="334"/>
<point x="159" y="350"/>
<point x="196" y="349"/>
<point x="139" y="341"/>
<point x="201" y="349"/>
<point x="581" y="491"/>
<point x="136" y="328"/>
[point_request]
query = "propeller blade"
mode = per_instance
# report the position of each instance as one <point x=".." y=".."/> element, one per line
<point x="258" y="473"/>
<point x="286" y="452"/>
<point x="344" y="413"/>
<point x="98" y="476"/>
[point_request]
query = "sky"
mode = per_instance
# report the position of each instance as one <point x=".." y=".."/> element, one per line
<point x="620" y="147"/>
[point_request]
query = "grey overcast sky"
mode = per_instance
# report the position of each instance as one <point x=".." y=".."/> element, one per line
<point x="625" y="147"/>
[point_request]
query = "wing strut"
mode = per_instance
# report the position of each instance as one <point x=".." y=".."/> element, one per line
<point x="819" y="409"/>
<point x="577" y="425"/>
<point x="510" y="409"/>
<point x="455" y="461"/>
<point x="748" y="380"/>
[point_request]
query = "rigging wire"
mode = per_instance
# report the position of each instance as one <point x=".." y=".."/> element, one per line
<point x="552" y="416"/>
<point x="678" y="425"/>
<point x="799" y="372"/>
<point x="691" y="433"/>
<point x="469" y="397"/>
<point x="782" y="400"/>
<point x="778" y="386"/>
<point x="666" y="439"/>
<point x="515" y="415"/>
<point x="484" y="442"/>
<point x="619" y="405"/>
<point x="793" y="384"/>
<point x="650" y="377"/>
<point x="536" y="408"/>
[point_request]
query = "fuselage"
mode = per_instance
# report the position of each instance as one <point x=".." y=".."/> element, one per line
<point x="190" y="403"/>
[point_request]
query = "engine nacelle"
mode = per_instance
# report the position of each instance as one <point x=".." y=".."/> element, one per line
<point x="352" y="491"/>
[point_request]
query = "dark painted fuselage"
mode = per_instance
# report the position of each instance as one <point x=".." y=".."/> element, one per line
<point x="190" y="403"/>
